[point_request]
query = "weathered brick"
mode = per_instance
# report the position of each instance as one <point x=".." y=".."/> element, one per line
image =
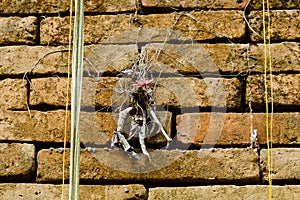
<point x="223" y="58"/>
<point x="193" y="92"/>
<point x="37" y="60"/>
<point x="49" y="91"/>
<point x="178" y="92"/>
<point x="219" y="4"/>
<point x="276" y="4"/>
<point x="10" y="191"/>
<point x="17" y="161"/>
<point x="53" y="91"/>
<point x="234" y="128"/>
<point x="198" y="59"/>
<point x="34" y="126"/>
<point x="21" y="59"/>
<point x="285" y="165"/>
<point x="219" y="192"/>
<point x="110" y="59"/>
<point x="284" y="25"/>
<point x="58" y="6"/>
<point x="199" y="166"/>
<point x="13" y="94"/>
<point x="285" y="91"/>
<point x="17" y="30"/>
<point x="285" y="57"/>
<point x="204" y="25"/>
<point x="96" y="127"/>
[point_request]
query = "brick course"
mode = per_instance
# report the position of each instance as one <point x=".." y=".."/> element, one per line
<point x="17" y="7"/>
<point x="223" y="58"/>
<point x="234" y="128"/>
<point x="117" y="28"/>
<point x="219" y="4"/>
<point x="204" y="166"/>
<point x="10" y="191"/>
<point x="257" y="192"/>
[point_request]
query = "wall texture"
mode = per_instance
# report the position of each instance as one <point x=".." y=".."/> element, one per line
<point x="210" y="55"/>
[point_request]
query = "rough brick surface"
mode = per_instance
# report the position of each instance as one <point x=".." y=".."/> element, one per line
<point x="285" y="57"/>
<point x="234" y="128"/>
<point x="17" y="30"/>
<point x="110" y="59"/>
<point x="96" y="127"/>
<point x="276" y="4"/>
<point x="40" y="126"/>
<point x="192" y="92"/>
<point x="47" y="60"/>
<point x="285" y="86"/>
<point x="219" y="4"/>
<point x="224" y="192"/>
<point x="117" y="28"/>
<point x="184" y="92"/>
<point x="32" y="191"/>
<point x="284" y="25"/>
<point x="242" y="58"/>
<point x="13" y="94"/>
<point x="285" y="165"/>
<point x="17" y="162"/>
<point x="204" y="166"/>
<point x="195" y="59"/>
<point x="58" y="6"/>
<point x="49" y="91"/>
<point x="21" y="59"/>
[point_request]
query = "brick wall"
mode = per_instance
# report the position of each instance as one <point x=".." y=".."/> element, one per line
<point x="212" y="66"/>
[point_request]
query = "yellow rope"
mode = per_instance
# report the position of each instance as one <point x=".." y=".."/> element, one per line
<point x="272" y="100"/>
<point x="67" y="100"/>
<point x="267" y="54"/>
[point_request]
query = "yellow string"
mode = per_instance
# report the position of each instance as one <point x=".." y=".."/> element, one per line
<point x="267" y="54"/>
<point x="272" y="100"/>
<point x="67" y="100"/>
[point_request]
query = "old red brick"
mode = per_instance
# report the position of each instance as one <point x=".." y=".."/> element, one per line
<point x="234" y="128"/>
